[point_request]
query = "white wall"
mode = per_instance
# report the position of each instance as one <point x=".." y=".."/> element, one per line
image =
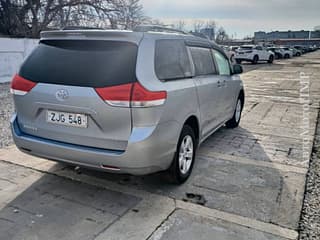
<point x="12" y="52"/>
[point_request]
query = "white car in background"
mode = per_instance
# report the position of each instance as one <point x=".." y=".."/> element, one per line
<point x="229" y="52"/>
<point x="278" y="52"/>
<point x="254" y="54"/>
<point x="296" y="52"/>
<point x="288" y="53"/>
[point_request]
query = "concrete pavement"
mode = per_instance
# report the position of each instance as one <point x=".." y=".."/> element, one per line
<point x="248" y="183"/>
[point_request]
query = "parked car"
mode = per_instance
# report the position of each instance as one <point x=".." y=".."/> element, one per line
<point x="253" y="54"/>
<point x="124" y="102"/>
<point x="278" y="52"/>
<point x="312" y="48"/>
<point x="234" y="48"/>
<point x="303" y="49"/>
<point x="296" y="52"/>
<point x="287" y="52"/>
<point x="229" y="52"/>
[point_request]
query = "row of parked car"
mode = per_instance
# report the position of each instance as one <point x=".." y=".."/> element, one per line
<point x="256" y="53"/>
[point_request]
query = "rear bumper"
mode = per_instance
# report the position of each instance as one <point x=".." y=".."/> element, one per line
<point x="150" y="149"/>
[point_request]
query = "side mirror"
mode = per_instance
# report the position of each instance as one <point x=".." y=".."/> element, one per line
<point x="237" y="69"/>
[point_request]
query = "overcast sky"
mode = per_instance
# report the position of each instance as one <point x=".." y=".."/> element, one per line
<point x="240" y="17"/>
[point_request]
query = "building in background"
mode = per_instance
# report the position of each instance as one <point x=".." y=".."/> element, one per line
<point x="209" y="32"/>
<point x="288" y="37"/>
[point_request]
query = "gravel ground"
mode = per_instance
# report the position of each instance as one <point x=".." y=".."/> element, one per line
<point x="310" y="218"/>
<point x="5" y="114"/>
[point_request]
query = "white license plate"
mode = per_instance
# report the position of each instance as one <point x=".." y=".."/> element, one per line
<point x="67" y="119"/>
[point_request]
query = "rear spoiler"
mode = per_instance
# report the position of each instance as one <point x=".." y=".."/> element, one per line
<point x="127" y="36"/>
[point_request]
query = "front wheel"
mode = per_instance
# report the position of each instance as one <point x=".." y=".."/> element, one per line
<point x="235" y="120"/>
<point x="255" y="59"/>
<point x="183" y="160"/>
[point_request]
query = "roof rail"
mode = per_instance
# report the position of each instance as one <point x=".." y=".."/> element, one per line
<point x="81" y="28"/>
<point x="156" y="28"/>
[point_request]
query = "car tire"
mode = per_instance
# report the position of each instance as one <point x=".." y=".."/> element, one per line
<point x="286" y="56"/>
<point x="238" y="61"/>
<point x="235" y="120"/>
<point x="255" y="59"/>
<point x="271" y="58"/>
<point x="232" y="58"/>
<point x="182" y="164"/>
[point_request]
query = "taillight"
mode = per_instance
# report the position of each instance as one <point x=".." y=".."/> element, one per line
<point x="118" y="96"/>
<point x="131" y="95"/>
<point x="142" y="97"/>
<point x="21" y="86"/>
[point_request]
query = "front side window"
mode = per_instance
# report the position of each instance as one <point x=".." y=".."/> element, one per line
<point x="222" y="62"/>
<point x="172" y="60"/>
<point x="203" y="61"/>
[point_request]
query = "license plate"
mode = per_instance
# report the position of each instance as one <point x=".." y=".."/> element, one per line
<point x="67" y="119"/>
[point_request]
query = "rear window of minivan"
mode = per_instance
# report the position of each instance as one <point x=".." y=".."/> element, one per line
<point x="86" y="63"/>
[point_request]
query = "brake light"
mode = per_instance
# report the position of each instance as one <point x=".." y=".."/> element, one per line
<point x="117" y="95"/>
<point x="142" y="97"/>
<point x="131" y="95"/>
<point x="21" y="86"/>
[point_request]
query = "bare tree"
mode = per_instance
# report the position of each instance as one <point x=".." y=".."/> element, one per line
<point x="197" y="25"/>
<point x="130" y="14"/>
<point x="180" y="25"/>
<point x="29" y="17"/>
<point x="211" y="24"/>
<point x="221" y="35"/>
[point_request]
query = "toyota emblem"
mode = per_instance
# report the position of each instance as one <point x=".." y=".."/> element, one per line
<point x="62" y="94"/>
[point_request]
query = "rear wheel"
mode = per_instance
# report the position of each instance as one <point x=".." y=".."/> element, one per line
<point x="255" y="59"/>
<point x="287" y="56"/>
<point x="235" y="120"/>
<point x="183" y="160"/>
<point x="271" y="58"/>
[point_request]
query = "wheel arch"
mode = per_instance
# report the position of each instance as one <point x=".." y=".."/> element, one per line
<point x="193" y="122"/>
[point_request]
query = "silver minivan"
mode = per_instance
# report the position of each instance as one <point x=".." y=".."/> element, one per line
<point x="123" y="101"/>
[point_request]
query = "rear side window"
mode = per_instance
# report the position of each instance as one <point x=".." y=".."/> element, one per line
<point x="87" y="63"/>
<point x="222" y="62"/>
<point x="203" y="61"/>
<point x="172" y="60"/>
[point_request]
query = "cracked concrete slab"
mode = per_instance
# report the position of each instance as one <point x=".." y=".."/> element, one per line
<point x="250" y="180"/>
<point x="257" y="192"/>
<point x="183" y="225"/>
<point x="241" y="142"/>
<point x="52" y="207"/>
